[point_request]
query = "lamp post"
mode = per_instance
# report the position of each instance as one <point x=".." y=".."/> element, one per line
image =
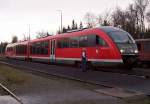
<point x="60" y="18"/>
<point x="29" y="43"/>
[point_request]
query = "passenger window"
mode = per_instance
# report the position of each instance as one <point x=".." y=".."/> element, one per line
<point x="39" y="48"/>
<point x="74" y="42"/>
<point x="91" y="40"/>
<point x="100" y="41"/>
<point x="83" y="41"/>
<point x="59" y="43"/>
<point x="63" y="43"/>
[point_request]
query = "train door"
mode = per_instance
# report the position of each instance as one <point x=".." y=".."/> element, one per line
<point x="52" y="50"/>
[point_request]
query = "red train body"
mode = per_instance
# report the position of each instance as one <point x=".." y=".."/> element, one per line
<point x="104" y="46"/>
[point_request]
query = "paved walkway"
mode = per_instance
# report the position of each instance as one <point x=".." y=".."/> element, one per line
<point x="8" y="100"/>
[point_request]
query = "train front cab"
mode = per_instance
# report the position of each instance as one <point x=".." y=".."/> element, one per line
<point x="125" y="44"/>
<point x="10" y="51"/>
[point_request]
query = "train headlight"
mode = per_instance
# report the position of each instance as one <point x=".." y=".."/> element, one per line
<point x="136" y="51"/>
<point x="121" y="50"/>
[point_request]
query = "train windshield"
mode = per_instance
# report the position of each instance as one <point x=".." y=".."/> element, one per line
<point x="121" y="37"/>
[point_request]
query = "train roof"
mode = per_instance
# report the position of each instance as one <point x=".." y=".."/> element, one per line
<point x="14" y="44"/>
<point x="42" y="39"/>
<point x="105" y="29"/>
<point x="108" y="29"/>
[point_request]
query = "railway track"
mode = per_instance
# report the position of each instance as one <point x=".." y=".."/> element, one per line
<point x="45" y="74"/>
<point x="133" y="80"/>
<point x="11" y="93"/>
<point x="136" y="72"/>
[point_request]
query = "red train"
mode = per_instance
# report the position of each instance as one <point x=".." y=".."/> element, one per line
<point x="144" y="51"/>
<point x="104" y="46"/>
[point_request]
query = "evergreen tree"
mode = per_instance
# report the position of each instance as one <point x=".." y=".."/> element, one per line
<point x="76" y="26"/>
<point x="69" y="28"/>
<point x="3" y="47"/>
<point x="73" y="25"/>
<point x="64" y="30"/>
<point x="47" y="34"/>
<point x="81" y="25"/>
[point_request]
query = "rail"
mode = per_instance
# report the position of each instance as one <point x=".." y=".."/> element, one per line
<point x="11" y="93"/>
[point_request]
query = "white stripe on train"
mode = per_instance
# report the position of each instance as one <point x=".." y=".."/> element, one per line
<point x="77" y="59"/>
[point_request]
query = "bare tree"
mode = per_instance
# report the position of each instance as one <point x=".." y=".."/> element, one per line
<point x="118" y="18"/>
<point x="25" y="38"/>
<point x="131" y="21"/>
<point x="99" y="20"/>
<point x="141" y="6"/>
<point x="90" y="19"/>
<point x="125" y="19"/>
<point x="148" y="17"/>
<point x="42" y="34"/>
<point x="104" y="19"/>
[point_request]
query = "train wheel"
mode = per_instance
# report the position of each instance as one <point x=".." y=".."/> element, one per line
<point x="78" y="64"/>
<point x="128" y="67"/>
<point x="26" y="59"/>
<point x="30" y="59"/>
<point x="128" y="64"/>
<point x="144" y="65"/>
<point x="89" y="66"/>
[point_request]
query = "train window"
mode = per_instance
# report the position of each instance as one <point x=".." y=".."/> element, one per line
<point x="59" y="43"/>
<point x="100" y="41"/>
<point x="120" y="37"/>
<point x="83" y="41"/>
<point x="39" y="48"/>
<point x="74" y="42"/>
<point x="63" y="43"/>
<point x="46" y="44"/>
<point x="91" y="40"/>
<point x="21" y="49"/>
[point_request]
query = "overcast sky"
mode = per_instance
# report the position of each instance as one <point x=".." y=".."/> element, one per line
<point x="42" y="15"/>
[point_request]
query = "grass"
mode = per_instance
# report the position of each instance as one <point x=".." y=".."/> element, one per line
<point x="10" y="76"/>
<point x="144" y="101"/>
<point x="137" y="100"/>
